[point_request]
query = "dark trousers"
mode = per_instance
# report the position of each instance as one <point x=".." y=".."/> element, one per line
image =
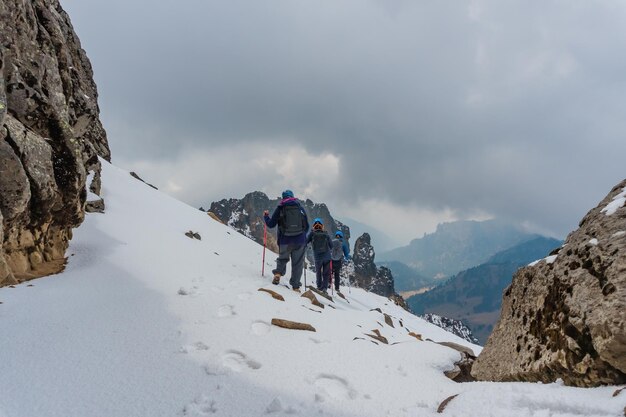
<point x="296" y="253"/>
<point x="337" y="273"/>
<point x="322" y="273"/>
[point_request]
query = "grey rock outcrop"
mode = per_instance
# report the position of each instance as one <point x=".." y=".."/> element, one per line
<point x="367" y="275"/>
<point x="50" y="137"/>
<point x="453" y="326"/>
<point x="565" y="316"/>
<point x="245" y="215"/>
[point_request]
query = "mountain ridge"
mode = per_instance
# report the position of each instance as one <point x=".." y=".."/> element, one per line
<point x="456" y="246"/>
<point x="475" y="294"/>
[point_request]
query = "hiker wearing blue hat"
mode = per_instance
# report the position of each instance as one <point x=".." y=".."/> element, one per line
<point x="293" y="226"/>
<point x="321" y="243"/>
<point x="338" y="253"/>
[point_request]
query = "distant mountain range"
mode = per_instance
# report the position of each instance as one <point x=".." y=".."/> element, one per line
<point x="405" y="277"/>
<point x="456" y="246"/>
<point x="475" y="295"/>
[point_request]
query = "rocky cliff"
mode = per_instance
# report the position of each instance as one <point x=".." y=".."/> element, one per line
<point x="453" y="326"/>
<point x="365" y="274"/>
<point x="50" y="137"/>
<point x="245" y="215"/>
<point x="565" y="316"/>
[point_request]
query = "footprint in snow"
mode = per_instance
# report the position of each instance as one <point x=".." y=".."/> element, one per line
<point x="200" y="406"/>
<point x="239" y="362"/>
<point x="225" y="310"/>
<point x="401" y="371"/>
<point x="334" y="387"/>
<point x="260" y="328"/>
<point x="198" y="346"/>
<point x="193" y="291"/>
<point x="276" y="406"/>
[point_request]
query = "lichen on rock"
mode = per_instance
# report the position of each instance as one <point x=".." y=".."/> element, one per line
<point x="564" y="316"/>
<point x="50" y="137"/>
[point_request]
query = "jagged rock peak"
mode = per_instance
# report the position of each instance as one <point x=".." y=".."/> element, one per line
<point x="453" y="326"/>
<point x="367" y="275"/>
<point x="50" y="137"/>
<point x="564" y="316"/>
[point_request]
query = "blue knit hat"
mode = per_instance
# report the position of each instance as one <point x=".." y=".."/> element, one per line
<point x="287" y="194"/>
<point x="318" y="220"/>
<point x="339" y="233"/>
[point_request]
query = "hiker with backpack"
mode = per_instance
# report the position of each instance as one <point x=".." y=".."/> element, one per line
<point x="293" y="226"/>
<point x="339" y="252"/>
<point x="321" y="243"/>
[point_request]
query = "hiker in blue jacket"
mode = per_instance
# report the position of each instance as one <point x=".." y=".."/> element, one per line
<point x="339" y="252"/>
<point x="321" y="243"/>
<point x="293" y="226"/>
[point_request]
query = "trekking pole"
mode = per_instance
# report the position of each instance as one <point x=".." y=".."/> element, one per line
<point x="332" y="287"/>
<point x="305" y="274"/>
<point x="264" y="245"/>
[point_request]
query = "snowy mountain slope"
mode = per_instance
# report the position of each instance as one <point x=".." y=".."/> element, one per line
<point x="148" y="322"/>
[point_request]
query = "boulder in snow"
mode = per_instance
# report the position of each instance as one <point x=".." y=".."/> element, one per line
<point x="294" y="325"/>
<point x="564" y="316"/>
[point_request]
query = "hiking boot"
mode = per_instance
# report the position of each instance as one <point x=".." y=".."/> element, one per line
<point x="296" y="289"/>
<point x="276" y="279"/>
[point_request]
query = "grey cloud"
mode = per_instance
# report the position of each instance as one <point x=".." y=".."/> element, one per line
<point x="509" y="108"/>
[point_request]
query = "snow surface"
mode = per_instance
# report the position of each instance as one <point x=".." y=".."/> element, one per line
<point x="617" y="202"/>
<point x="549" y="259"/>
<point x="593" y="241"/>
<point x="145" y="321"/>
<point x="90" y="196"/>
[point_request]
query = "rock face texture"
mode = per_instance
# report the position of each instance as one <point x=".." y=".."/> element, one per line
<point x="50" y="137"/>
<point x="565" y="316"/>
<point x="366" y="274"/>
<point x="453" y="326"/>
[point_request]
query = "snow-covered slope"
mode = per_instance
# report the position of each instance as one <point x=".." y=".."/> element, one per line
<point x="148" y="322"/>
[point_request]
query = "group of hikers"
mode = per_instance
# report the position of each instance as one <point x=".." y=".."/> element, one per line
<point x="293" y="238"/>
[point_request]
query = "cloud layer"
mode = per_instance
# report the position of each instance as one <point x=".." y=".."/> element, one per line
<point x="435" y="110"/>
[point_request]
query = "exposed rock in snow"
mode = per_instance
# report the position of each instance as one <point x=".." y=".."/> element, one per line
<point x="274" y="294"/>
<point x="50" y="137"/>
<point x="564" y="318"/>
<point x="453" y="326"/>
<point x="378" y="280"/>
<point x="293" y="325"/>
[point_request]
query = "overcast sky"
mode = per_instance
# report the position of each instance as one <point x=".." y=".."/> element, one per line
<point x="400" y="114"/>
